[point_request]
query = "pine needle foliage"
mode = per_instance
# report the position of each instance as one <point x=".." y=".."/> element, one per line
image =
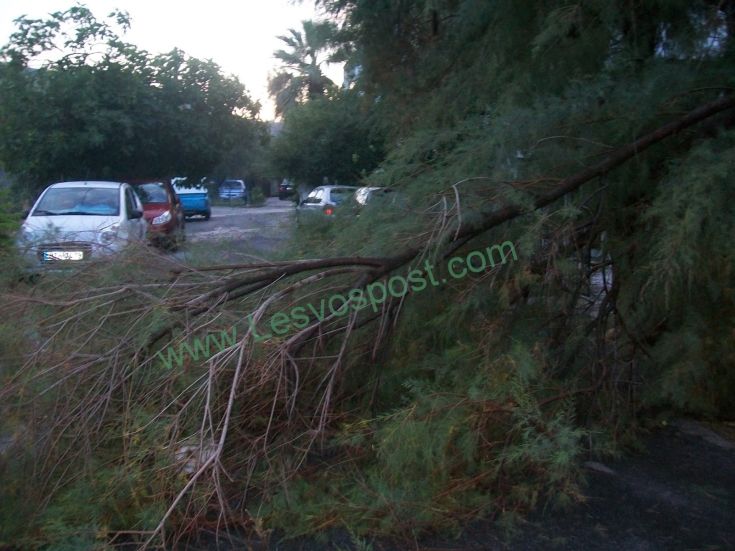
<point x="479" y="397"/>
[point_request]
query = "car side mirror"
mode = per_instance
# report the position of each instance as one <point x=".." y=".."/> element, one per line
<point x="135" y="214"/>
<point x="25" y="214"/>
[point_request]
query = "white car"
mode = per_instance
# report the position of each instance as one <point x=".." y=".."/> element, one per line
<point x="325" y="199"/>
<point x="365" y="195"/>
<point x="73" y="222"/>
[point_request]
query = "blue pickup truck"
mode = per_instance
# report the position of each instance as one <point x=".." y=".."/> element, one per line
<point x="194" y="200"/>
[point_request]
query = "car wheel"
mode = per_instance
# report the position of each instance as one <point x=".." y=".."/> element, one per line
<point x="207" y="215"/>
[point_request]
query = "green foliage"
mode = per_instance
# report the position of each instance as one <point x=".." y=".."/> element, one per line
<point x="106" y="109"/>
<point x="9" y="222"/>
<point x="501" y="382"/>
<point x="436" y="460"/>
<point x="329" y="138"/>
<point x="301" y="77"/>
<point x="480" y="396"/>
<point x="257" y="198"/>
<point x="683" y="289"/>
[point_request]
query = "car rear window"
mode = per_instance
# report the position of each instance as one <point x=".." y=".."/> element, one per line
<point x="338" y="196"/>
<point x="379" y="194"/>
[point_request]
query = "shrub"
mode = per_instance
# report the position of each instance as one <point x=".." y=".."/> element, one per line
<point x="256" y="197"/>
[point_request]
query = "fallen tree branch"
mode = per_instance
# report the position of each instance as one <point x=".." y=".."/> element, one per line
<point x="377" y="267"/>
<point x="613" y="160"/>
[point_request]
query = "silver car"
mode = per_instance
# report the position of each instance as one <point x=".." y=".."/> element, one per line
<point x="233" y="189"/>
<point x="326" y="199"/>
<point x="72" y="222"/>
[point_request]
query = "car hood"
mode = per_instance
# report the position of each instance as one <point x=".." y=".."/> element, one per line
<point x="67" y="227"/>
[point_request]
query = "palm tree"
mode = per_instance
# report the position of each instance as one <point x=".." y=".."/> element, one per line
<point x="301" y="77"/>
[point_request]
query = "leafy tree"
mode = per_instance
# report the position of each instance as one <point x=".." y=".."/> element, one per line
<point x="8" y="222"/>
<point x="301" y="77"/>
<point x="103" y="108"/>
<point x="598" y="137"/>
<point x="334" y="139"/>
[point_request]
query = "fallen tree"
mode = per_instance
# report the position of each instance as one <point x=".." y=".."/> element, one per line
<point x="255" y="418"/>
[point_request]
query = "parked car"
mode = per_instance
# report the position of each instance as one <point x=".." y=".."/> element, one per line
<point x="380" y="197"/>
<point x="326" y="199"/>
<point x="233" y="189"/>
<point x="194" y="200"/>
<point x="286" y="189"/>
<point x="366" y="194"/>
<point x="74" y="222"/>
<point x="163" y="212"/>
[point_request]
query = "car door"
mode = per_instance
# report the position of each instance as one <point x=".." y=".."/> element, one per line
<point x="135" y="227"/>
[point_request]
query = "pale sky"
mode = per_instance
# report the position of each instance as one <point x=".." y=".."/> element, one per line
<point x="239" y="35"/>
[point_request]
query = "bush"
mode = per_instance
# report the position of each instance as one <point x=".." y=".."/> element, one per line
<point x="257" y="198"/>
<point x="9" y="222"/>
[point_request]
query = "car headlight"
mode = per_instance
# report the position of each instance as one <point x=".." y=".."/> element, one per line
<point x="25" y="235"/>
<point x="109" y="235"/>
<point x="24" y="238"/>
<point x="162" y="218"/>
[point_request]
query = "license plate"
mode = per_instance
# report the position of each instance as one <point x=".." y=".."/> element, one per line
<point x="63" y="255"/>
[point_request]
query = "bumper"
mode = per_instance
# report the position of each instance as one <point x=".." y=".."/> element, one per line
<point x="195" y="212"/>
<point x="195" y="204"/>
<point x="67" y="254"/>
<point x="233" y="196"/>
<point x="158" y="230"/>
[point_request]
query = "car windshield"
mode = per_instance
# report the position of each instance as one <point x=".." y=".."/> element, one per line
<point x="152" y="193"/>
<point x="232" y="185"/>
<point x="338" y="195"/>
<point x="88" y="201"/>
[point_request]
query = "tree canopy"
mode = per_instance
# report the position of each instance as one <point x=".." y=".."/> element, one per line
<point x="334" y="138"/>
<point x="597" y="137"/>
<point x="301" y="77"/>
<point x="76" y="101"/>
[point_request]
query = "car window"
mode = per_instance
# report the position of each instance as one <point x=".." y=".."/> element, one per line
<point x="233" y="185"/>
<point x="339" y="195"/>
<point x="129" y="203"/>
<point x="136" y="201"/>
<point x="379" y="195"/>
<point x="361" y="195"/>
<point x="153" y="192"/>
<point x="316" y="192"/>
<point x="88" y="201"/>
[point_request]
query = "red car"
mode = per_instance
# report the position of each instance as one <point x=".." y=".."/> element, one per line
<point x="163" y="212"/>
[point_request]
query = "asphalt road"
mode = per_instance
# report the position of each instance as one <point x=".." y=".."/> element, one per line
<point x="234" y="230"/>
